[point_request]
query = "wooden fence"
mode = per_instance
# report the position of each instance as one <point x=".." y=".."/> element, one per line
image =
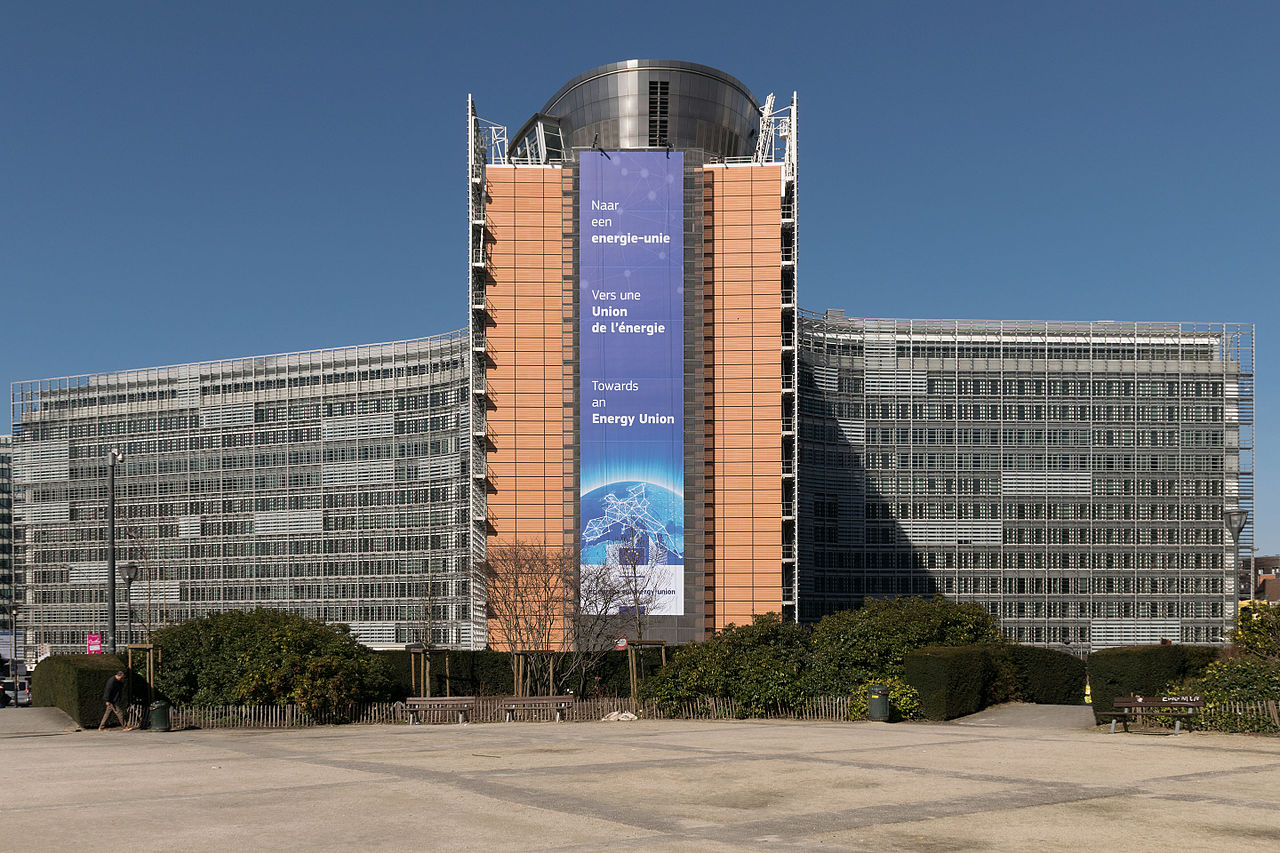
<point x="1261" y="716"/>
<point x="486" y="711"/>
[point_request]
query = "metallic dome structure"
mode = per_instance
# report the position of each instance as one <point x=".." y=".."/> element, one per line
<point x="644" y="103"/>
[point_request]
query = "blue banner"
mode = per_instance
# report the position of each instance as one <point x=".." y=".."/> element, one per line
<point x="631" y="416"/>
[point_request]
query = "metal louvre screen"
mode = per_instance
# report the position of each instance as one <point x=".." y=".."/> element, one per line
<point x="631" y="337"/>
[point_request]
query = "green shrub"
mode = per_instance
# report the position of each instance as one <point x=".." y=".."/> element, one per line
<point x="904" y="701"/>
<point x="952" y="681"/>
<point x="1048" y="676"/>
<point x="853" y="647"/>
<point x="75" y="683"/>
<point x="1257" y="631"/>
<point x="1237" y="680"/>
<point x="269" y="657"/>
<point x="1143" y="671"/>
<point x="759" y="665"/>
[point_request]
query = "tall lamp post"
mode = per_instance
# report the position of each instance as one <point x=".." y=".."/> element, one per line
<point x="115" y="456"/>
<point x="1236" y="519"/>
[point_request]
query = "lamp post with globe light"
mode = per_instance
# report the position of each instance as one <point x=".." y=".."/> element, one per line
<point x="1235" y="520"/>
<point x="129" y="572"/>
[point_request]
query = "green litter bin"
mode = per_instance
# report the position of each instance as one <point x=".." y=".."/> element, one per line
<point x="878" y="703"/>
<point x="160" y="716"/>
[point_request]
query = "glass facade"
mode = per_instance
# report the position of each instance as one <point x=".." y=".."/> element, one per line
<point x="1070" y="477"/>
<point x="332" y="483"/>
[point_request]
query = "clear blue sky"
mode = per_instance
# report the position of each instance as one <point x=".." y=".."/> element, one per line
<point x="190" y="181"/>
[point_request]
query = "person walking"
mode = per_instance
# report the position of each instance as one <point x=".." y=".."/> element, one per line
<point x="111" y="695"/>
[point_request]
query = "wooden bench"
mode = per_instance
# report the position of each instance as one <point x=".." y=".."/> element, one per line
<point x="559" y="704"/>
<point x="1140" y="709"/>
<point x="415" y="705"/>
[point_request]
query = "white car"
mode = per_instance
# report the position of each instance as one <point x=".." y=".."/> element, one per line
<point x="19" y="695"/>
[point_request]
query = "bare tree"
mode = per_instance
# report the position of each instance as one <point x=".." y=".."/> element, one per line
<point x="144" y="550"/>
<point x="594" y="622"/>
<point x="614" y="598"/>
<point x="530" y="597"/>
<point x="542" y="604"/>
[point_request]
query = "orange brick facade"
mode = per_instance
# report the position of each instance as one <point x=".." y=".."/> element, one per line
<point x="529" y="297"/>
<point x="529" y="460"/>
<point x="743" y="324"/>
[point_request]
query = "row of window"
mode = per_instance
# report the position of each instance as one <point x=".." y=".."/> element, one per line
<point x="410" y="567"/>
<point x="814" y="339"/>
<point x="896" y="485"/>
<point x="309" y="410"/>
<point x="350" y="498"/>
<point x="946" y="436"/>
<point x="1116" y="413"/>
<point x="968" y="558"/>
<point x="1127" y="584"/>
<point x="1064" y="386"/>
<point x="265" y="480"/>
<point x="826" y="506"/>
<point x="445" y="541"/>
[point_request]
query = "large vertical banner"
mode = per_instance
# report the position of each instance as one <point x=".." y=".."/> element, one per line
<point x="631" y="336"/>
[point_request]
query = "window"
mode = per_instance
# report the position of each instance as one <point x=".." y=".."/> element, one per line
<point x="659" y="110"/>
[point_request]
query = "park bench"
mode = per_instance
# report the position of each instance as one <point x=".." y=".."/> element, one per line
<point x="559" y="704"/>
<point x="1141" y="709"/>
<point x="415" y="705"/>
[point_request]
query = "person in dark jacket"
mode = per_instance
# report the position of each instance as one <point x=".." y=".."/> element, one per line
<point x="111" y="696"/>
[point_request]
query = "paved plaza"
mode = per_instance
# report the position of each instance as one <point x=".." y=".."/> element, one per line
<point x="1018" y="778"/>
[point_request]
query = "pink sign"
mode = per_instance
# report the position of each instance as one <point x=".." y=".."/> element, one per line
<point x="95" y="644"/>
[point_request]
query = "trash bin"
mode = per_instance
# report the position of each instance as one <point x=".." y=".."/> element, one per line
<point x="160" y="716"/>
<point x="878" y="703"/>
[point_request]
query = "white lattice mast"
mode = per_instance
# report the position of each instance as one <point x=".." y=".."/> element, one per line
<point x="777" y="145"/>
<point x="477" y="275"/>
<point x="764" y="138"/>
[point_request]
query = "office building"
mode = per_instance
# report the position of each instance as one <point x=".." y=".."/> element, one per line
<point x="1073" y="478"/>
<point x="579" y="335"/>
<point x="636" y="388"/>
<point x="332" y="483"/>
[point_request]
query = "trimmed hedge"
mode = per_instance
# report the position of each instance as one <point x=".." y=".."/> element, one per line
<point x="1143" y="670"/>
<point x="952" y="681"/>
<point x="488" y="673"/>
<point x="74" y="683"/>
<point x="470" y="673"/>
<point x="1048" y="676"/>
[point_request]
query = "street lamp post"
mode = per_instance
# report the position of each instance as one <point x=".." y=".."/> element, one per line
<point x="116" y="455"/>
<point x="128" y="571"/>
<point x="1236" y="519"/>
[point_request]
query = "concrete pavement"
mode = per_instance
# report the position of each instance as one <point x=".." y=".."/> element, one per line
<point x="645" y="785"/>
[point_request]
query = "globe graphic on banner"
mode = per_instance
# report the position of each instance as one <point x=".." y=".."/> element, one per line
<point x="633" y="513"/>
